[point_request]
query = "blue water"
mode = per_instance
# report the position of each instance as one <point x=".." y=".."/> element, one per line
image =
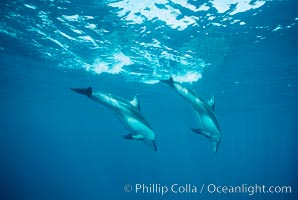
<point x="56" y="144"/>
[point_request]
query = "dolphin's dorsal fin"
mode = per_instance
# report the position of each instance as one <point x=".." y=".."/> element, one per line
<point x="192" y="92"/>
<point x="211" y="103"/>
<point x="135" y="102"/>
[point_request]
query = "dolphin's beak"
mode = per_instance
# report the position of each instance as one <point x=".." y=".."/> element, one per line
<point x="84" y="91"/>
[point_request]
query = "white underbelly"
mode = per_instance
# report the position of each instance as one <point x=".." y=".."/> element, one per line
<point x="138" y="128"/>
<point x="206" y="123"/>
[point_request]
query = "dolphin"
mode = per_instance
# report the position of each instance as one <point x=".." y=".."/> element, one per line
<point x="204" y="111"/>
<point x="127" y="111"/>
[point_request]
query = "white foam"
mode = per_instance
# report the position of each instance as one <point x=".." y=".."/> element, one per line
<point x="71" y="18"/>
<point x="223" y="6"/>
<point x="188" y="77"/>
<point x="136" y="13"/>
<point x="77" y="31"/>
<point x="123" y="59"/>
<point x="279" y="27"/>
<point x="87" y="38"/>
<point x="156" y="43"/>
<point x="14" y="35"/>
<point x="185" y="4"/>
<point x="167" y="55"/>
<point x="30" y="28"/>
<point x="211" y="18"/>
<point x="151" y="82"/>
<point x="119" y="60"/>
<point x="33" y="7"/>
<point x="184" y="62"/>
<point x="61" y="8"/>
<point x="243" y="6"/>
<point x="217" y="24"/>
<point x="88" y="17"/>
<point x="66" y="36"/>
<point x="57" y="42"/>
<point x="91" y="26"/>
<point x="203" y="7"/>
<point x="101" y="67"/>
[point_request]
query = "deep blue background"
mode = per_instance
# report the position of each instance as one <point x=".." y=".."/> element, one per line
<point x="55" y="144"/>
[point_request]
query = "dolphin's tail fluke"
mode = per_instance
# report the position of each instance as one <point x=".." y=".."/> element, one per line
<point x="169" y="81"/>
<point x="84" y="91"/>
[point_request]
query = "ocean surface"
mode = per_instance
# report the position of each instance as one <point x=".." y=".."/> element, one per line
<point x="56" y="144"/>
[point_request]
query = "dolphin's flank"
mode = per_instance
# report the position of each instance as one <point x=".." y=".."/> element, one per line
<point x="127" y="111"/>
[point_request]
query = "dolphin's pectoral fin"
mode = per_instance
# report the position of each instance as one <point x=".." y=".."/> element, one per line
<point x="128" y="137"/>
<point x="85" y="91"/>
<point x="154" y="145"/>
<point x="211" y="103"/>
<point x="131" y="136"/>
<point x="196" y="130"/>
<point x="199" y="131"/>
<point x="135" y="102"/>
<point x="215" y="146"/>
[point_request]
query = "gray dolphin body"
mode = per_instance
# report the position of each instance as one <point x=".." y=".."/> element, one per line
<point x="207" y="122"/>
<point x="128" y="112"/>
